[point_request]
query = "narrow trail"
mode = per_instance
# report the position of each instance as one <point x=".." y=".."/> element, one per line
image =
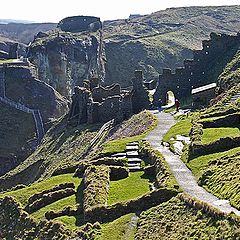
<point x="183" y="175"/>
<point x="36" y="113"/>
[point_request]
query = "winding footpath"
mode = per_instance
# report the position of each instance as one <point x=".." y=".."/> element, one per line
<point x="183" y="175"/>
<point x="36" y="113"/>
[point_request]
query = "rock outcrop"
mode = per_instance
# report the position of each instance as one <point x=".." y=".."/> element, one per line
<point x="64" y="60"/>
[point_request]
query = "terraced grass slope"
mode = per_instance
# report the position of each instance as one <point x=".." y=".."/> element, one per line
<point x="217" y="135"/>
<point x="162" y="39"/>
<point x="176" y="220"/>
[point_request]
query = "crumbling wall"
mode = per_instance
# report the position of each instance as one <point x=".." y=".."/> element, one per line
<point x="203" y="69"/>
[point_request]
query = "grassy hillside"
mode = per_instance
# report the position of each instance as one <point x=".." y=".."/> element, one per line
<point x="162" y="39"/>
<point x="17" y="131"/>
<point x="62" y="145"/>
<point x="176" y="220"/>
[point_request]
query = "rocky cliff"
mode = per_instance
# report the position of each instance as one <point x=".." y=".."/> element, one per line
<point x="64" y="60"/>
<point x="27" y="109"/>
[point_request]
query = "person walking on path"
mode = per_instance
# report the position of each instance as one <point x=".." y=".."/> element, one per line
<point x="177" y="104"/>
<point x="159" y="104"/>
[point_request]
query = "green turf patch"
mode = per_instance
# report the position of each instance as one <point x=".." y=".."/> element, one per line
<point x="22" y="195"/>
<point x="132" y="187"/>
<point x="119" y="229"/>
<point x="133" y="130"/>
<point x="176" y="220"/>
<point x="180" y="128"/>
<point x="199" y="164"/>
<point x="213" y="134"/>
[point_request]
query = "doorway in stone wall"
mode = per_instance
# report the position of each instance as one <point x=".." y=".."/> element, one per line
<point x="170" y="98"/>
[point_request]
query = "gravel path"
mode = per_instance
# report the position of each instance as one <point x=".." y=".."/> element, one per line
<point x="182" y="174"/>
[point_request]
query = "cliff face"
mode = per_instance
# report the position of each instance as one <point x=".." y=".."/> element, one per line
<point x="27" y="107"/>
<point x="64" y="60"/>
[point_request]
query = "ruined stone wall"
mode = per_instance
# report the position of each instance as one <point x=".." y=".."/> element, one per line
<point x="203" y="69"/>
<point x="140" y="99"/>
<point x="99" y="93"/>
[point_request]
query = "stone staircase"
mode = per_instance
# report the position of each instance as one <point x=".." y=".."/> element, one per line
<point x="134" y="162"/>
<point x="36" y="113"/>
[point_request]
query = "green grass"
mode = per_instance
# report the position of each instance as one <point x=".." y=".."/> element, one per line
<point x="22" y="195"/>
<point x="213" y="134"/>
<point x="199" y="164"/>
<point x="175" y="220"/>
<point x="56" y="206"/>
<point x="6" y="61"/>
<point x="132" y="187"/>
<point x="133" y="130"/>
<point x="119" y="229"/>
<point x="68" y="221"/>
<point x="180" y="128"/>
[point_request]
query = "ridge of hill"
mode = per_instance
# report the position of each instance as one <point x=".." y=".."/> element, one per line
<point x="162" y="39"/>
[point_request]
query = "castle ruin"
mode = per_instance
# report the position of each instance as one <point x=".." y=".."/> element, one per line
<point x="94" y="103"/>
<point x="198" y="71"/>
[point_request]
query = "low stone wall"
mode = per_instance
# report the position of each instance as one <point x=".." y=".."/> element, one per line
<point x="96" y="186"/>
<point x="109" y="213"/>
<point x="17" y="224"/>
<point x="157" y="167"/>
<point x="49" y="198"/>
<point x="223" y="144"/>
<point x="228" y="121"/>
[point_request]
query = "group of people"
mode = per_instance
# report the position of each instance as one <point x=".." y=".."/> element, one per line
<point x="177" y="105"/>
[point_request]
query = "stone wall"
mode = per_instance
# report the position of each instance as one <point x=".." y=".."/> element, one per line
<point x="203" y="69"/>
<point x="101" y="104"/>
<point x="140" y="99"/>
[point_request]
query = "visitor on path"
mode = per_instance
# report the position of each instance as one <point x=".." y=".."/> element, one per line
<point x="159" y="104"/>
<point x="177" y="104"/>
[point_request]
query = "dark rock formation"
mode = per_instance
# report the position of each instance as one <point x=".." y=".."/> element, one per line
<point x="23" y="86"/>
<point x="80" y="24"/>
<point x="65" y="60"/>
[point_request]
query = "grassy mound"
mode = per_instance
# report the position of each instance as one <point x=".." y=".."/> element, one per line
<point x="216" y="178"/>
<point x="134" y="129"/>
<point x="176" y="220"/>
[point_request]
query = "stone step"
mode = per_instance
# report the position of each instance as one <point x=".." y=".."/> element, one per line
<point x="137" y="168"/>
<point x="119" y="155"/>
<point x="130" y="160"/>
<point x="132" y="154"/>
<point x="134" y="164"/>
<point x="132" y="147"/>
<point x="133" y="144"/>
